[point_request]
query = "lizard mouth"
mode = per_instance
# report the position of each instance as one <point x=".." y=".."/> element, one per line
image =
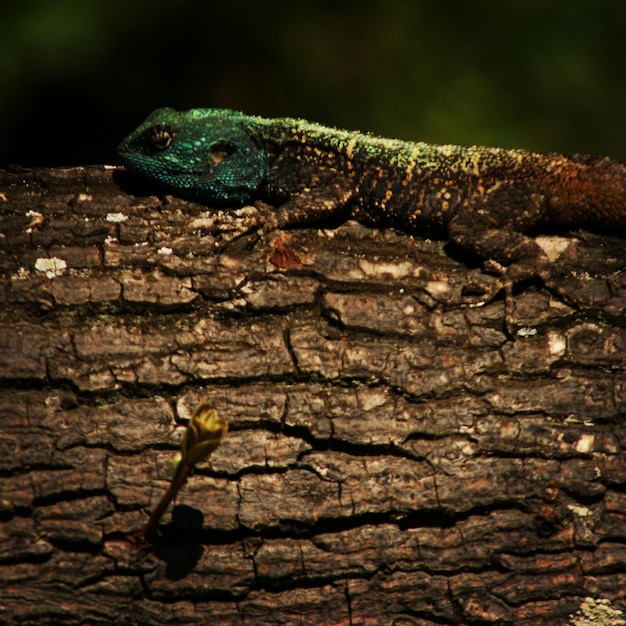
<point x="163" y="164"/>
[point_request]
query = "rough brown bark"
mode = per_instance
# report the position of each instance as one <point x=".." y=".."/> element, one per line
<point x="392" y="458"/>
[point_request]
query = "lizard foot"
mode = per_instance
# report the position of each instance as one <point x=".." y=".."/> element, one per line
<point x="255" y="221"/>
<point x="228" y="226"/>
<point x="481" y="291"/>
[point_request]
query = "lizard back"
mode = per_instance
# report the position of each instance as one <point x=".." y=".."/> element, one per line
<point x="417" y="184"/>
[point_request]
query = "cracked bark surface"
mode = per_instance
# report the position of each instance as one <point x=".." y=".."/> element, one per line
<point x="392" y="457"/>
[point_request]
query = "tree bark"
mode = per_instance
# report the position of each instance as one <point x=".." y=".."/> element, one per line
<point x="393" y="456"/>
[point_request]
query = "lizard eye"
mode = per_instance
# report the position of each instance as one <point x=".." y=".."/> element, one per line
<point x="161" y="138"/>
<point x="220" y="151"/>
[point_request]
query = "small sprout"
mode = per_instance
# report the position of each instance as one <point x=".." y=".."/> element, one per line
<point x="203" y="435"/>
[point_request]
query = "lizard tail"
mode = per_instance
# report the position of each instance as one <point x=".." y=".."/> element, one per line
<point x="588" y="190"/>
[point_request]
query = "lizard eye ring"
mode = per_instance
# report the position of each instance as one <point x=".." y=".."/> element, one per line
<point x="161" y="138"/>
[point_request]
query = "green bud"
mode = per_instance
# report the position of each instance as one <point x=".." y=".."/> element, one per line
<point x="203" y="435"/>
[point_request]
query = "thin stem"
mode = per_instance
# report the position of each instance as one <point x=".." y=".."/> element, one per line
<point x="149" y="530"/>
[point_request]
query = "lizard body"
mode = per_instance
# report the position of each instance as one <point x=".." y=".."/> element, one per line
<point x="484" y="199"/>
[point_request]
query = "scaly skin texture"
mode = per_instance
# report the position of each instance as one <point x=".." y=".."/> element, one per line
<point x="483" y="199"/>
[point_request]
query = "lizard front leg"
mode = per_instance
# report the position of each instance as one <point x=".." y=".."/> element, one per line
<point x="310" y="205"/>
<point x="297" y="194"/>
<point x="307" y="185"/>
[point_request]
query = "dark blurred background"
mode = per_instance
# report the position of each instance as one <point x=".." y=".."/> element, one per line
<point x="78" y="75"/>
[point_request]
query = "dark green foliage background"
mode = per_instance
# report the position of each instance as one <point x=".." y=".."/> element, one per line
<point x="78" y="75"/>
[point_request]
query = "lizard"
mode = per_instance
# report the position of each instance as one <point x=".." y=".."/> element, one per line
<point x="486" y="200"/>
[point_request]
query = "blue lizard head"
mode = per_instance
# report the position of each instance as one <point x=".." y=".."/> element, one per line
<point x="201" y="154"/>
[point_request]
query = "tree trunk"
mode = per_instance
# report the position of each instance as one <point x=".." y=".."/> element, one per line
<point x="393" y="457"/>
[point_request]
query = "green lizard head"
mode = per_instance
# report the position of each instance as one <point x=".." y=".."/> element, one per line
<point x="201" y="154"/>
